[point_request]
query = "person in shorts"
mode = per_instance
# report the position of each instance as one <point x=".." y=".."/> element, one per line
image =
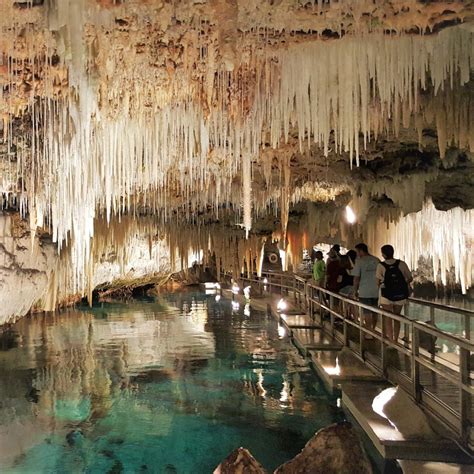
<point x="394" y="278"/>
<point x="366" y="287"/>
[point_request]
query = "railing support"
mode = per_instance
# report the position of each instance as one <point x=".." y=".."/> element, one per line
<point x="415" y="367"/>
<point x="384" y="346"/>
<point x="466" y="397"/>
<point x="331" y="314"/>
<point x="345" y="328"/>
<point x="361" y="333"/>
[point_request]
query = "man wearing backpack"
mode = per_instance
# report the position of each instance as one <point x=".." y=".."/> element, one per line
<point x="394" y="278"/>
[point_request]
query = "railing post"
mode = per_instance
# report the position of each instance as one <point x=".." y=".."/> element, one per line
<point x="384" y="346"/>
<point x="415" y="367"/>
<point x="344" y="322"/>
<point x="432" y="315"/>
<point x="331" y="315"/>
<point x="467" y="326"/>
<point x="466" y="397"/>
<point x="361" y="333"/>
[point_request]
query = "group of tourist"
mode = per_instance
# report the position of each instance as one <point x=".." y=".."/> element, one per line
<point x="362" y="276"/>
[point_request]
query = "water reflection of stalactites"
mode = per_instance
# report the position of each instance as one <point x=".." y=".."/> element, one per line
<point x="76" y="382"/>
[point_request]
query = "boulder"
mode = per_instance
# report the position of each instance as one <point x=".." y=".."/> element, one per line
<point x="239" y="461"/>
<point x="332" y="450"/>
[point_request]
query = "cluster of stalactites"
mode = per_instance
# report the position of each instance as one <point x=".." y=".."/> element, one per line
<point x="172" y="247"/>
<point x="91" y="155"/>
<point x="445" y="238"/>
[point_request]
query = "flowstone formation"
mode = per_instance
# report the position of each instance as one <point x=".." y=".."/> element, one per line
<point x="207" y="117"/>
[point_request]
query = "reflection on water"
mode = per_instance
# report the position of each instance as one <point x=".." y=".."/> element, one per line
<point x="153" y="386"/>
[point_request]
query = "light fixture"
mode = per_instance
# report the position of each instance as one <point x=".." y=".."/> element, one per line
<point x="350" y="215"/>
<point x="334" y="370"/>
<point x="379" y="402"/>
<point x="282" y="305"/>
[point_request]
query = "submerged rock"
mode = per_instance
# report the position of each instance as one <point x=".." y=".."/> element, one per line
<point x="239" y="461"/>
<point x="332" y="450"/>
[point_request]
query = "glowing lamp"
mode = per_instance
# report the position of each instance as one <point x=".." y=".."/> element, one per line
<point x="350" y="215"/>
<point x="282" y="305"/>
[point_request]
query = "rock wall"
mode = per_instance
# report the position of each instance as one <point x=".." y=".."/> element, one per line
<point x="26" y="265"/>
<point x="34" y="276"/>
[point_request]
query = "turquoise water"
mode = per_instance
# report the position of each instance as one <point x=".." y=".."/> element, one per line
<point x="170" y="385"/>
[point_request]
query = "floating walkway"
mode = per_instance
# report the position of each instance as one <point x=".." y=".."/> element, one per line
<point x="361" y="364"/>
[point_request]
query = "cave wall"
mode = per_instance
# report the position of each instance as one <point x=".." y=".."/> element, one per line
<point x="26" y="265"/>
<point x="34" y="275"/>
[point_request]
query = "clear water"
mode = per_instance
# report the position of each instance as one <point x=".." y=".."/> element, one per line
<point x="447" y="321"/>
<point x="171" y="385"/>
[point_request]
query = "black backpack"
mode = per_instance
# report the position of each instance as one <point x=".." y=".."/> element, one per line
<point x="395" y="287"/>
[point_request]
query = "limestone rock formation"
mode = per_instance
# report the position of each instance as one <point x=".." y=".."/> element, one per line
<point x="233" y="112"/>
<point x="332" y="450"/>
<point x="239" y="461"/>
<point x="26" y="265"/>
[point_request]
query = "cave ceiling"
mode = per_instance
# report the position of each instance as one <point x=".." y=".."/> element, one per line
<point x="183" y="108"/>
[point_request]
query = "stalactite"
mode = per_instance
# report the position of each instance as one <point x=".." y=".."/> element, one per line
<point x="247" y="192"/>
<point x="109" y="138"/>
<point x="445" y="237"/>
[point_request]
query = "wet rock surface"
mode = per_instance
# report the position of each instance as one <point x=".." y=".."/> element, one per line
<point x="335" y="449"/>
<point x="240" y="461"/>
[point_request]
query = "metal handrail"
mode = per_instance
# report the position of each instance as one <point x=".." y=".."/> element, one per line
<point x="460" y="377"/>
<point x="419" y="301"/>
<point x="446" y="307"/>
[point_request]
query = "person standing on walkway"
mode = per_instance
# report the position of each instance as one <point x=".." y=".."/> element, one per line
<point x="333" y="272"/>
<point x="394" y="278"/>
<point x="347" y="280"/>
<point x="319" y="269"/>
<point x="365" y="282"/>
